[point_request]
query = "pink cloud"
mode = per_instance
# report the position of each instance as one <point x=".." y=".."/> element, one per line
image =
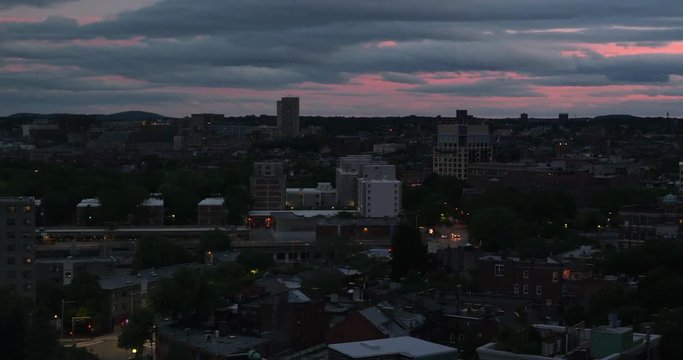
<point x="20" y="67"/>
<point x="626" y="49"/>
<point x="118" y="79"/>
<point x="103" y="42"/>
<point x="16" y="19"/>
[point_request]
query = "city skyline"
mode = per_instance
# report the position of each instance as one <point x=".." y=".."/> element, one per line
<point x="495" y="58"/>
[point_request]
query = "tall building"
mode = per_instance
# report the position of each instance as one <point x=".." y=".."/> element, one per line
<point x="268" y="186"/>
<point x="17" y="245"/>
<point x="379" y="197"/>
<point x="346" y="179"/>
<point x="368" y="185"/>
<point x="459" y="145"/>
<point x="680" y="178"/>
<point x="288" y="116"/>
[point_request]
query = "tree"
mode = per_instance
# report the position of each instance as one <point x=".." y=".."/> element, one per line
<point x="670" y="326"/>
<point x="157" y="251"/>
<point x="525" y="340"/>
<point x="497" y="229"/>
<point x="187" y="297"/>
<point x="89" y="300"/>
<point x="408" y="252"/>
<point x="137" y="331"/>
<point x="212" y="241"/>
<point x="255" y="259"/>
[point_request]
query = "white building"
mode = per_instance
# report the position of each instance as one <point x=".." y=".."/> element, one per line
<point x="459" y="145"/>
<point x="368" y="185"/>
<point x="346" y="176"/>
<point x="379" y="198"/>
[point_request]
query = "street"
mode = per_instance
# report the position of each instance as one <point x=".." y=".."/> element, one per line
<point x="102" y="346"/>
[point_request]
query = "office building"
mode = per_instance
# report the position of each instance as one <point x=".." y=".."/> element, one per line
<point x="17" y="245"/>
<point x="459" y="145"/>
<point x="321" y="197"/>
<point x="379" y="193"/>
<point x="368" y="185"/>
<point x="268" y="186"/>
<point x="346" y="176"/>
<point x="288" y="116"/>
<point x="379" y="198"/>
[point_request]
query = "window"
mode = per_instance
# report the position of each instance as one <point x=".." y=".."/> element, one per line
<point x="11" y="235"/>
<point x="27" y="208"/>
<point x="28" y="260"/>
<point x="10" y="209"/>
<point x="525" y="289"/>
<point x="499" y="270"/>
<point x="10" y="222"/>
<point x="26" y="221"/>
<point x="556" y="276"/>
<point x="27" y="274"/>
<point x="11" y="261"/>
<point x="11" y="275"/>
<point x="516" y="289"/>
<point x="538" y="290"/>
<point x="525" y="274"/>
<point x="11" y="248"/>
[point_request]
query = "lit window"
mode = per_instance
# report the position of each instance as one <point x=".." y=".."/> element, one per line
<point x="516" y="289"/>
<point x="525" y="274"/>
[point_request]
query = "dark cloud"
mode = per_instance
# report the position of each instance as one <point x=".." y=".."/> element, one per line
<point x="272" y="44"/>
<point x="6" y="4"/>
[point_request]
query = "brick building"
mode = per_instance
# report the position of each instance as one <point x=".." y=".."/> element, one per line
<point x="538" y="280"/>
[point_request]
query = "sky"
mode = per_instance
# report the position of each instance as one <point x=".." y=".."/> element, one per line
<point x="496" y="58"/>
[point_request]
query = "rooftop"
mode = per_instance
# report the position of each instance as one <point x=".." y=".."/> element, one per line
<point x="212" y="202"/>
<point x="221" y="345"/>
<point x="153" y="202"/>
<point x="405" y="346"/>
<point x="89" y="203"/>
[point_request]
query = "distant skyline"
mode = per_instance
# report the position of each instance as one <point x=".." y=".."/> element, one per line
<point x="496" y="58"/>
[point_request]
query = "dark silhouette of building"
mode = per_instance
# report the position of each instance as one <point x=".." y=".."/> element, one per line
<point x="17" y="245"/>
<point x="268" y="186"/>
<point x="288" y="116"/>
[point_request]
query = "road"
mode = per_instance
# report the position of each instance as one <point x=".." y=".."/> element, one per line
<point x="102" y="346"/>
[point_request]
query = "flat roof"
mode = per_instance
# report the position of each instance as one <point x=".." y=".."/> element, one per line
<point x="89" y="203"/>
<point x="302" y="213"/>
<point x="134" y="229"/>
<point x="153" y="202"/>
<point x="110" y="259"/>
<point x="405" y="345"/>
<point x="212" y="202"/>
<point x="222" y="345"/>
